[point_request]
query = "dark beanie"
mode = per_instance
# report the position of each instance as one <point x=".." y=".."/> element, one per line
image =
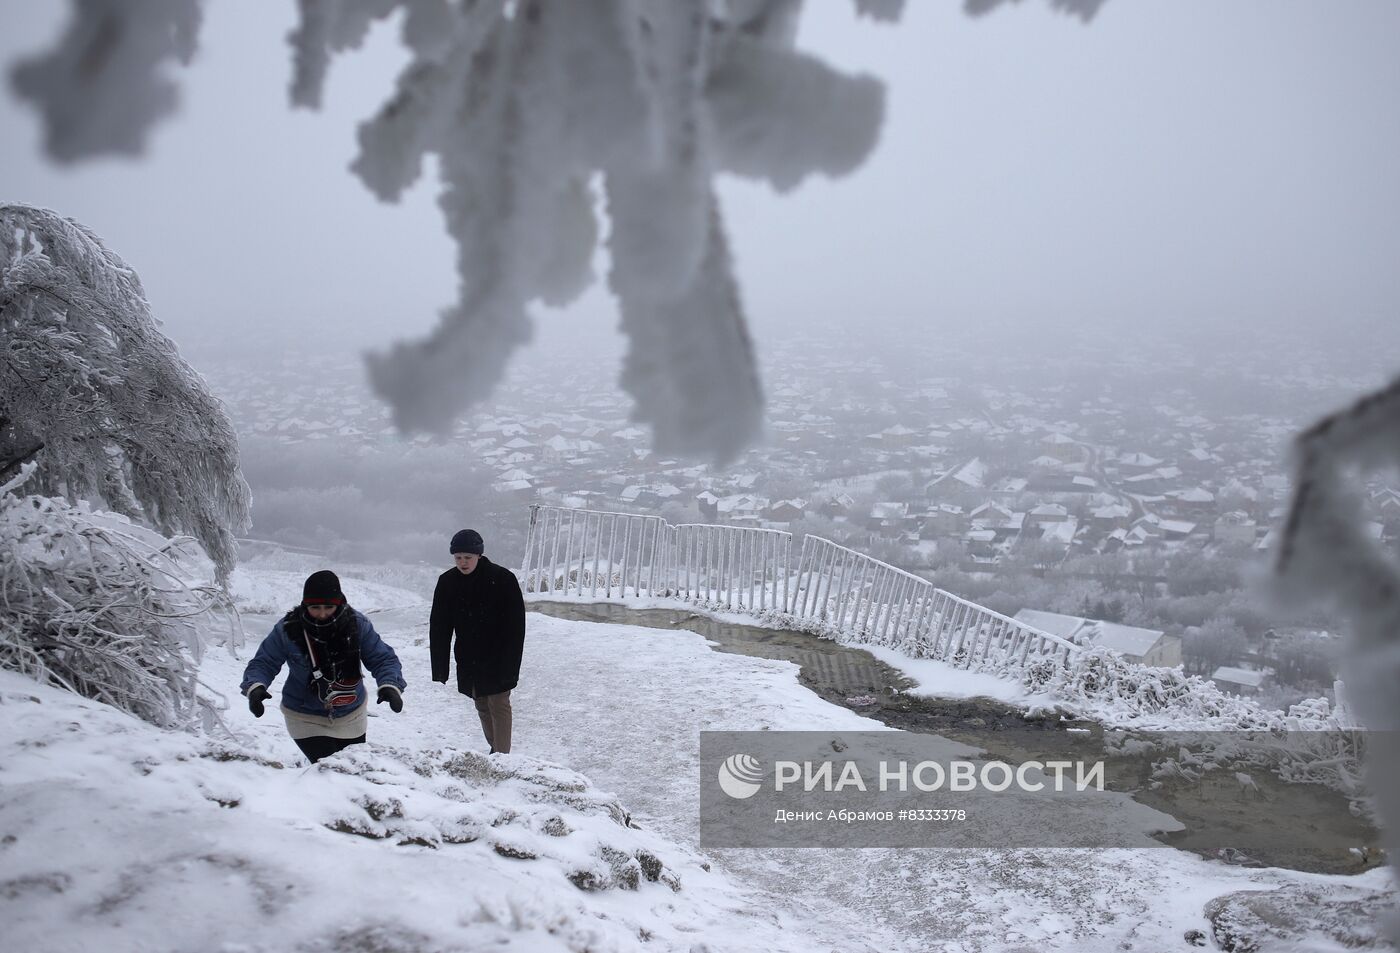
<point x="322" y="589"/>
<point x="467" y="541"/>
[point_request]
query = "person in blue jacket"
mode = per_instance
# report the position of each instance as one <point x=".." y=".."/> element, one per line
<point x="323" y="642"/>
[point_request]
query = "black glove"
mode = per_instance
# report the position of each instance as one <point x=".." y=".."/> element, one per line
<point x="390" y="694"/>
<point x="256" y="696"/>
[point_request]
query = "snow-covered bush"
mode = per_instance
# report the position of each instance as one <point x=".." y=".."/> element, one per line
<point x="98" y="396"/>
<point x="99" y="606"/>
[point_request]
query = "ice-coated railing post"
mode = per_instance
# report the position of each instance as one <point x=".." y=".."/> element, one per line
<point x="554" y="551"/>
<point x="896" y="581"/>
<point x="655" y="553"/>
<point x="612" y="545"/>
<point x="841" y="576"/>
<point x="626" y="555"/>
<point x="569" y="551"/>
<point x="902" y="607"/>
<point x="824" y="579"/>
<point x="786" y="562"/>
<point x="804" y="577"/>
<point x="731" y="575"/>
<point x="597" y="554"/>
<point x="871" y="601"/>
<point x="758" y="570"/>
<point x="767" y="554"/>
<point x="885" y="612"/>
<point x="860" y="601"/>
<point x="529" y="539"/>
<point x="955" y="630"/>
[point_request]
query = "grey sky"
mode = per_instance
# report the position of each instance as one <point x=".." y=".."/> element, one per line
<point x="1218" y="164"/>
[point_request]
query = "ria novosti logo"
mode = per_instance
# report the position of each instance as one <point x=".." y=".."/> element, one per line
<point x="740" y="776"/>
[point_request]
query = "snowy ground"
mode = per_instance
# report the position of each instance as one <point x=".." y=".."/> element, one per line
<point x="111" y="831"/>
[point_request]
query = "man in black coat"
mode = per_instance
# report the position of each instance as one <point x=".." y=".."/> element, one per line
<point x="479" y="602"/>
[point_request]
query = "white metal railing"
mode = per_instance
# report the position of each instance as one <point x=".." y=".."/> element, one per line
<point x="594" y="553"/>
<point x="738" y="567"/>
<point x="871" y="601"/>
<point x="829" y="587"/>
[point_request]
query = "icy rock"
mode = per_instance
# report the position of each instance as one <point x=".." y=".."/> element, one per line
<point x="1300" y="917"/>
<point x="651" y="865"/>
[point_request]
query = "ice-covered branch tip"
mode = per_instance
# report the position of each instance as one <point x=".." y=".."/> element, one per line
<point x="528" y="104"/>
<point x="86" y="372"/>
<point x="103" y="87"/>
<point x="1325" y="554"/>
<point x="526" y="108"/>
<point x="1084" y="9"/>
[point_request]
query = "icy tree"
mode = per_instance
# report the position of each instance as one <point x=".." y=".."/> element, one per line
<point x="99" y="398"/>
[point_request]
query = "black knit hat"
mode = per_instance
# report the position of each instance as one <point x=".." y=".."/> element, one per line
<point x="467" y="541"/>
<point x="322" y="589"/>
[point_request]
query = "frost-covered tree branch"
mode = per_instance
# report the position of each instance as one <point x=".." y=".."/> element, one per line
<point x="1084" y="9"/>
<point x="1325" y="555"/>
<point x="527" y="111"/>
<point x="86" y="372"/>
<point x="528" y="106"/>
<point x="103" y="87"/>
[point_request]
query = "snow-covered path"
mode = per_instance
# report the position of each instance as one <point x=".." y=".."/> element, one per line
<point x="625" y="705"/>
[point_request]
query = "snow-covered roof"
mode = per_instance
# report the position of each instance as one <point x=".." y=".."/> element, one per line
<point x="1238" y="676"/>
<point x="887" y="511"/>
<point x="973" y="473"/>
<point x="1127" y="639"/>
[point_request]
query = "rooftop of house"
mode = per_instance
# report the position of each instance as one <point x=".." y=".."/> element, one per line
<point x="1238" y="676"/>
<point x="1127" y="639"/>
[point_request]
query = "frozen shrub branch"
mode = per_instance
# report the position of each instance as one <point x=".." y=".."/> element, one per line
<point x="99" y="610"/>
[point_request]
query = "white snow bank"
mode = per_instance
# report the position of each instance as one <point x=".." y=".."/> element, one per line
<point x="935" y="678"/>
<point x="114" y="833"/>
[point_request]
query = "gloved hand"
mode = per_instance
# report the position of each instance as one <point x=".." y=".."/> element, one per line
<point x="390" y="694"/>
<point x="256" y="696"/>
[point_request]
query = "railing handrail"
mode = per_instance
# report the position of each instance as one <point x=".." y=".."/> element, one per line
<point x="746" y="529"/>
<point x="584" y="509"/>
<point x="690" y="561"/>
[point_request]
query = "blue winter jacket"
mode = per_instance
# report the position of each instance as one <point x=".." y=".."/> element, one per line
<point x="277" y="649"/>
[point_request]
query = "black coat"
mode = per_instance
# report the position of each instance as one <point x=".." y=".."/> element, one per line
<point x="486" y="612"/>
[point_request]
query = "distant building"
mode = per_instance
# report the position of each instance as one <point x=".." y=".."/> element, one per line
<point x="1235" y="527"/>
<point x="1241" y="681"/>
<point x="787" y="511"/>
<point x="1144" y="646"/>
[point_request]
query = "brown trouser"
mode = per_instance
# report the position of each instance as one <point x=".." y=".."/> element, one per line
<point x="494" y="711"/>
